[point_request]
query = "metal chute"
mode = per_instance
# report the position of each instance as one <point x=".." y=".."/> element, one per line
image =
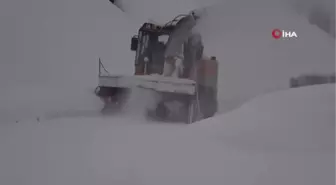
<point x="181" y="32"/>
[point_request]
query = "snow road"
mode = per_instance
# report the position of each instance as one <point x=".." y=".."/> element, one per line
<point x="71" y="148"/>
<point x="282" y="138"/>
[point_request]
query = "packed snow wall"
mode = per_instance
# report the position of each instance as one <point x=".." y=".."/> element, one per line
<point x="251" y="61"/>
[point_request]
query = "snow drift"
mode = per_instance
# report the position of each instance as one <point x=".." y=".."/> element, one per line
<point x="251" y="61"/>
<point x="292" y="119"/>
<point x="281" y="138"/>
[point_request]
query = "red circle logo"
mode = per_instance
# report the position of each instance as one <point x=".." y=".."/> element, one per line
<point x="276" y="33"/>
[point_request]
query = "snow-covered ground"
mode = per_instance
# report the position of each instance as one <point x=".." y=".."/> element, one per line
<point x="51" y="132"/>
<point x="281" y="138"/>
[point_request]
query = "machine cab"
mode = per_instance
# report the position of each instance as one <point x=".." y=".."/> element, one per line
<point x="150" y="46"/>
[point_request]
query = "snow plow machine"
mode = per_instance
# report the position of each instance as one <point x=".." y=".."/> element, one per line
<point x="169" y="61"/>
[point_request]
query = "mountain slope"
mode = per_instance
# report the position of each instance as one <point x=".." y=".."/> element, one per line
<point x="251" y="61"/>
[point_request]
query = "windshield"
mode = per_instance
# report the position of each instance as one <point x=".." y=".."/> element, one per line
<point x="163" y="39"/>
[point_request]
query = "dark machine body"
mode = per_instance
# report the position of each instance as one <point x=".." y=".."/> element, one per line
<point x="154" y="45"/>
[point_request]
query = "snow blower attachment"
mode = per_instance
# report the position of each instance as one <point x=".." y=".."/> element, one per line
<point x="169" y="61"/>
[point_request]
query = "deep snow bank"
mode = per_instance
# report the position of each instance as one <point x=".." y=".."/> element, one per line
<point x="297" y="119"/>
<point x="251" y="61"/>
<point x="281" y="138"/>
